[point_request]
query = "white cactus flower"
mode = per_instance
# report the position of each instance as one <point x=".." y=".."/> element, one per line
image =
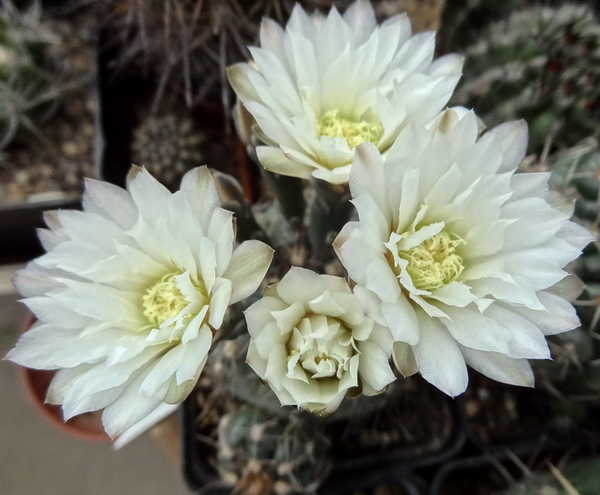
<point x="461" y="258"/>
<point x="312" y="343"/>
<point x="130" y="293"/>
<point x="326" y="84"/>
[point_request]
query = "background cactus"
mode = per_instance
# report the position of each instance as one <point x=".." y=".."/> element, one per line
<point x="466" y="21"/>
<point x="28" y="95"/>
<point x="168" y="146"/>
<point x="573" y="376"/>
<point x="541" y="64"/>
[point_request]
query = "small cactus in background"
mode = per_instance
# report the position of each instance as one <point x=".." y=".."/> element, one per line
<point x="576" y="173"/>
<point x="28" y="95"/>
<point x="47" y="76"/>
<point x="168" y="147"/>
<point x="541" y="64"/>
<point x="260" y="453"/>
<point x="22" y="38"/>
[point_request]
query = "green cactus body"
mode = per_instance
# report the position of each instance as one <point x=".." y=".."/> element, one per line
<point x="168" y="147"/>
<point x="576" y="174"/>
<point x="540" y="64"/>
<point x="574" y="372"/>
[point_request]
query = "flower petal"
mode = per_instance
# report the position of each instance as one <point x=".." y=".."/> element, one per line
<point x="374" y="366"/>
<point x="247" y="268"/>
<point x="439" y="358"/>
<point x="401" y="319"/>
<point x="500" y="367"/>
<point x="199" y="188"/>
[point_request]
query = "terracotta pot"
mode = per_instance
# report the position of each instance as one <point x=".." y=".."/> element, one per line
<point x="36" y="382"/>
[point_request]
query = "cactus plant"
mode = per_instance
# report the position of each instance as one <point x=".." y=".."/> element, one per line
<point x="264" y="454"/>
<point x="540" y="64"/>
<point x="28" y="95"/>
<point x="576" y="173"/>
<point x="573" y="372"/>
<point x="168" y="146"/>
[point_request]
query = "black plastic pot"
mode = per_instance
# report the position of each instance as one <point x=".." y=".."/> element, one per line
<point x="18" y="224"/>
<point x="400" y="465"/>
<point x="196" y="472"/>
<point x="464" y="457"/>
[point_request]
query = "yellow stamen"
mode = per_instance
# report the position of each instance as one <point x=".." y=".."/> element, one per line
<point x="434" y="263"/>
<point x="163" y="300"/>
<point x="355" y="133"/>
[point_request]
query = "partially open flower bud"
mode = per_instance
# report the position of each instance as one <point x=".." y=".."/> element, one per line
<point x="312" y="343"/>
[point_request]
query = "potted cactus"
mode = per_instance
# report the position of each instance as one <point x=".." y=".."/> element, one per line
<point x="320" y="337"/>
<point x="46" y="118"/>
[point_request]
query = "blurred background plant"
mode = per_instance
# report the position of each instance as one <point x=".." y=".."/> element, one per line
<point x="541" y="63"/>
<point x="46" y="77"/>
<point x="28" y="94"/>
<point x="183" y="45"/>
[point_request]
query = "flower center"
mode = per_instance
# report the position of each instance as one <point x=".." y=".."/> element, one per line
<point x="163" y="300"/>
<point x="322" y="346"/>
<point x="355" y="133"/>
<point x="434" y="263"/>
